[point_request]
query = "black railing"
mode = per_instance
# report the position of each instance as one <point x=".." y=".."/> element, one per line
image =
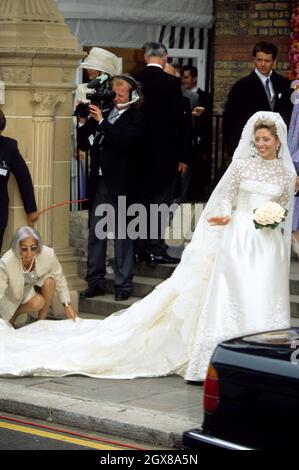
<point x="219" y="156"/>
<point x="79" y="176"/>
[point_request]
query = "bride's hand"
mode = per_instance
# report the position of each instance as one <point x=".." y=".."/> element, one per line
<point x="219" y="220"/>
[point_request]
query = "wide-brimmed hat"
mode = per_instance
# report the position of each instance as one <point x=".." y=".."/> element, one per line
<point x="100" y="59"/>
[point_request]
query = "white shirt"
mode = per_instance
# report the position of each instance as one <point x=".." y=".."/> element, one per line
<point x="154" y="65"/>
<point x="263" y="79"/>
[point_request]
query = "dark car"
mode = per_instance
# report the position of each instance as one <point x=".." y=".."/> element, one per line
<point x="251" y="394"/>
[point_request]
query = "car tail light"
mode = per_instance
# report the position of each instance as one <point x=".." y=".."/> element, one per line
<point x="211" y="390"/>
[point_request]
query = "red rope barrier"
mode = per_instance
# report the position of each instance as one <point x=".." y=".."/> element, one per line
<point x="53" y="206"/>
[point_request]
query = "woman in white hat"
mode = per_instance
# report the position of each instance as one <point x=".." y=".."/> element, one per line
<point x="98" y="62"/>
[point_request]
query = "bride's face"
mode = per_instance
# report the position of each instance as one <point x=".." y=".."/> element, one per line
<point x="266" y="144"/>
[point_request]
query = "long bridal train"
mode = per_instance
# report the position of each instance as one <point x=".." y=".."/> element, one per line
<point x="153" y="337"/>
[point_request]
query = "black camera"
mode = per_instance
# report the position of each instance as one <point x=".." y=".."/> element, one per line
<point x="101" y="95"/>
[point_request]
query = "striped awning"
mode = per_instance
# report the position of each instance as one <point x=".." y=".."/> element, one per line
<point x="196" y="13"/>
<point x="179" y="24"/>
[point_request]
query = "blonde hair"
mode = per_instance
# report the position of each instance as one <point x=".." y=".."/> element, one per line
<point x="266" y="124"/>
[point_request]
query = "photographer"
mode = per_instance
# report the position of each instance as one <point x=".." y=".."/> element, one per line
<point x="114" y="142"/>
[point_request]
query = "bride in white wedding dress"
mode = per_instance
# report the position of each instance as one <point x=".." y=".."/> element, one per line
<point x="232" y="281"/>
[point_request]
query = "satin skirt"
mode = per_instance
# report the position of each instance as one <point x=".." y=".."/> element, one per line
<point x="248" y="290"/>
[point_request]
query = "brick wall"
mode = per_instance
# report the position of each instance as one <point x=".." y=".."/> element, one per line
<point x="240" y="24"/>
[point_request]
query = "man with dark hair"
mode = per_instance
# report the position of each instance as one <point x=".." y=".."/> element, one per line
<point x="189" y="78"/>
<point x="262" y="90"/>
<point x="189" y="82"/>
<point x="266" y="48"/>
<point x="11" y="161"/>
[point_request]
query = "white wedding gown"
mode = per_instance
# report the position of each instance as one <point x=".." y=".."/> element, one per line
<point x="231" y="281"/>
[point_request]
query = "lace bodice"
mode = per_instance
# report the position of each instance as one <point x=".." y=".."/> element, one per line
<point x="254" y="181"/>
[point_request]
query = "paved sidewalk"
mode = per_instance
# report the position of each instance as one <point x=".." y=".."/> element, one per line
<point x="153" y="410"/>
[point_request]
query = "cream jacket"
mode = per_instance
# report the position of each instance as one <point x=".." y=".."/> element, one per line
<point x="12" y="276"/>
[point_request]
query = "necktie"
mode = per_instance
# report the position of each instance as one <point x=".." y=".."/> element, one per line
<point x="268" y="93"/>
<point x="113" y="115"/>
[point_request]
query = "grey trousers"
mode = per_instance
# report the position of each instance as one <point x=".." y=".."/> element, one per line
<point x="123" y="248"/>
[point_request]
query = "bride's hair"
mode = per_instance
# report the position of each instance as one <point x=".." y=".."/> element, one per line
<point x="266" y="124"/>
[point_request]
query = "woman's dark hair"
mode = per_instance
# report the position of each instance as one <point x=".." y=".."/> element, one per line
<point x="2" y="120"/>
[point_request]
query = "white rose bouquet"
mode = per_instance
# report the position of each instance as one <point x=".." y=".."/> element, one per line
<point x="269" y="215"/>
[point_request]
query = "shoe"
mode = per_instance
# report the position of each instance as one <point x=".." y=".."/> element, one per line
<point x="199" y="383"/>
<point x="172" y="259"/>
<point x="150" y="258"/>
<point x="164" y="259"/>
<point x="121" y="296"/>
<point x="92" y="291"/>
<point x="140" y="257"/>
<point x="145" y="256"/>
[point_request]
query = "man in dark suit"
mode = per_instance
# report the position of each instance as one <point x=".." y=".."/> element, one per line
<point x="183" y="178"/>
<point x="262" y="90"/>
<point x="202" y="131"/>
<point x="11" y="161"/>
<point x="114" y="144"/>
<point x="164" y="117"/>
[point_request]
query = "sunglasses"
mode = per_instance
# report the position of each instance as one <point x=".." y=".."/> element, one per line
<point x="25" y="249"/>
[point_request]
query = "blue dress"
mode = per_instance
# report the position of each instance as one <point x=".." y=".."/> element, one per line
<point x="293" y="143"/>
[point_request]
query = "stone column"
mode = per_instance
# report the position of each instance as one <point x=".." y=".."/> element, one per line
<point x="38" y="59"/>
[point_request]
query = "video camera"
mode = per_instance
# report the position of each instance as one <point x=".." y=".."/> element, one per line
<point x="101" y="95"/>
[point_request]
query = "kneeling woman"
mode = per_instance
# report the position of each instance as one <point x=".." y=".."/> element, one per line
<point x="29" y="275"/>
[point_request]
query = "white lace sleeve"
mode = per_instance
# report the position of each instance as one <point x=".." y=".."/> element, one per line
<point x="285" y="196"/>
<point x="232" y="190"/>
